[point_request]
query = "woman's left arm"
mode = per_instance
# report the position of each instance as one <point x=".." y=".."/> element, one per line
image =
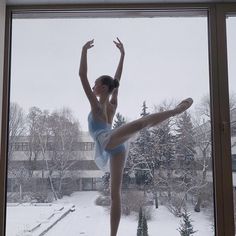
<point x="119" y="70"/>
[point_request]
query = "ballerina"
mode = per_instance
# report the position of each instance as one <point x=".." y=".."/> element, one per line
<point x="109" y="143"/>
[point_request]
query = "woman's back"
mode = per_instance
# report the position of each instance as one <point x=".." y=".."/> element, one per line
<point x="96" y="126"/>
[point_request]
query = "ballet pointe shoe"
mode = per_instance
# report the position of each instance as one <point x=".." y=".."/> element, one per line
<point x="183" y="106"/>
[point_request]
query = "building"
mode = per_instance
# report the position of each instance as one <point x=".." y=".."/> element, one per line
<point x="78" y="168"/>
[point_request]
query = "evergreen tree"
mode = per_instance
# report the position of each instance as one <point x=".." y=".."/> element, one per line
<point x="185" y="147"/>
<point x="144" y="110"/>
<point x="141" y="154"/>
<point x="164" y="142"/>
<point x="164" y="159"/>
<point x="185" y="136"/>
<point x="145" y="226"/>
<point x="140" y="223"/>
<point x="119" y="120"/>
<point x="185" y="150"/>
<point x="186" y="227"/>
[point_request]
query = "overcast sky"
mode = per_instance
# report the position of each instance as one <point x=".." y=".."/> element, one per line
<point x="166" y="58"/>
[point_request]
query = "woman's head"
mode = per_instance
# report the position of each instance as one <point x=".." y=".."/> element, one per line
<point x="105" y="82"/>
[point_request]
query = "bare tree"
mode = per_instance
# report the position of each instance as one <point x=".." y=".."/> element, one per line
<point x="34" y="150"/>
<point x="16" y="131"/>
<point x="20" y="177"/>
<point x="64" y="139"/>
<point x="53" y="139"/>
<point x="203" y="109"/>
<point x="203" y="158"/>
<point x="202" y="127"/>
<point x="16" y="126"/>
<point x="43" y="133"/>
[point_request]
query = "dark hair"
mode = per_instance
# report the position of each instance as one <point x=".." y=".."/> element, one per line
<point x="110" y="82"/>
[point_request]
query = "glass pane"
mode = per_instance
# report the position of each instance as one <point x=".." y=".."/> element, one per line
<point x="231" y="37"/>
<point x="52" y="176"/>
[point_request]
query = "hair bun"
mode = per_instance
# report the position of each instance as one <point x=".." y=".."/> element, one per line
<point x="116" y="83"/>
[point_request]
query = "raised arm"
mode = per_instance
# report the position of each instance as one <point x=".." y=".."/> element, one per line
<point x="83" y="75"/>
<point x="119" y="70"/>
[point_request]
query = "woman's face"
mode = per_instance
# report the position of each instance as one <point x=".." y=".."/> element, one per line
<point x="98" y="87"/>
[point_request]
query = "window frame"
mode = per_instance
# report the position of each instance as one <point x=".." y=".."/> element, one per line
<point x="219" y="94"/>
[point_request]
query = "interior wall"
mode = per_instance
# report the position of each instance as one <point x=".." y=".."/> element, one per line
<point x="2" y="29"/>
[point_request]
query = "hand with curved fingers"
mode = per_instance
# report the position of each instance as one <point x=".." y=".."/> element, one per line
<point x="88" y="45"/>
<point x="83" y="75"/>
<point x="119" y="45"/>
<point x="83" y="61"/>
<point x="119" y="69"/>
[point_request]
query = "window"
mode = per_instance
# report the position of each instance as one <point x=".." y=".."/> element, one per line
<point x="176" y="49"/>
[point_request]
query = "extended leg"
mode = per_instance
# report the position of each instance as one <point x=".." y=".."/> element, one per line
<point x="116" y="168"/>
<point x="123" y="133"/>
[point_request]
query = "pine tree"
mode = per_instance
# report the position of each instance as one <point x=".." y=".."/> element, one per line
<point x="185" y="147"/>
<point x="164" y="143"/>
<point x="185" y="151"/>
<point x="145" y="226"/>
<point x="119" y="120"/>
<point x="186" y="227"/>
<point x="144" y="109"/>
<point x="163" y="151"/>
<point x="140" y="223"/>
<point x="185" y="136"/>
<point x="141" y="154"/>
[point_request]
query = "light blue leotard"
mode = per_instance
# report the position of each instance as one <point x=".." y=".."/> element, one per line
<point x="101" y="133"/>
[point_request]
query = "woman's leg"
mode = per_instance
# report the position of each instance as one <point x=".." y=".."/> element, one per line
<point x="123" y="133"/>
<point x="116" y="167"/>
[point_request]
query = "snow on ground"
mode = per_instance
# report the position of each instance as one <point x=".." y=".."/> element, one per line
<point x="33" y="219"/>
<point x="89" y="219"/>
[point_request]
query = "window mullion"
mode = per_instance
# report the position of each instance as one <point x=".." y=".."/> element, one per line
<point x="221" y="150"/>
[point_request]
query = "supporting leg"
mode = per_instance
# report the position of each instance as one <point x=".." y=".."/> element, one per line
<point x="116" y="168"/>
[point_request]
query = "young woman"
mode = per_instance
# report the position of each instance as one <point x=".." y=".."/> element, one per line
<point x="109" y="144"/>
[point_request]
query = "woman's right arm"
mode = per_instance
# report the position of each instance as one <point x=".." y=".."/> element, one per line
<point x="83" y="75"/>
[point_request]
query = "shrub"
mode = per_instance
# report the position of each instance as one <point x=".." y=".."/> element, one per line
<point x="186" y="227"/>
<point x="103" y="201"/>
<point x="176" y="204"/>
<point x="42" y="197"/>
<point x="133" y="200"/>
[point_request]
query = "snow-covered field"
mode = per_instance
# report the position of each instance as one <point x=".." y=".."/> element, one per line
<point x="90" y="220"/>
<point x="32" y="220"/>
